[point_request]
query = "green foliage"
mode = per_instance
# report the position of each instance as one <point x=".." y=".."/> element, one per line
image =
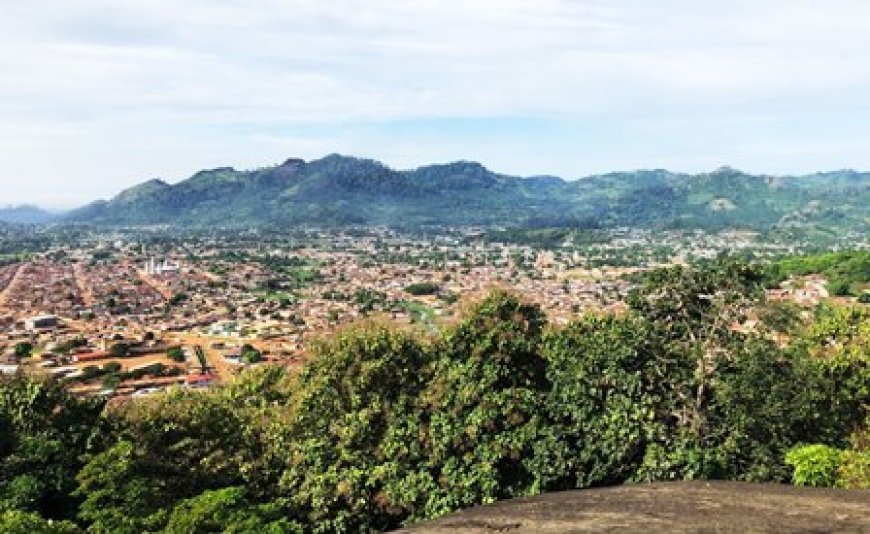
<point x="23" y="349"/>
<point x="119" y="350"/>
<point x="166" y="448"/>
<point x="477" y="422"/>
<point x="854" y="471"/>
<point x="176" y="354"/>
<point x="250" y="355"/>
<point x="18" y="522"/>
<point x="200" y="357"/>
<point x="422" y="288"/>
<point x="780" y="316"/>
<point x="814" y="465"/>
<point x="844" y="271"/>
<point x="43" y="433"/>
<point x="764" y="402"/>
<point x="357" y="386"/>
<point x="852" y="464"/>
<point x="227" y="510"/>
<point x="607" y="399"/>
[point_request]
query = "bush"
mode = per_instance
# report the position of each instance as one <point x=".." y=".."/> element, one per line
<point x="18" y="522"/>
<point x="855" y="465"/>
<point x="814" y="465"/>
<point x="422" y="288"/>
<point x="840" y="288"/>
<point x="119" y="350"/>
<point x="854" y="471"/>
<point x="23" y="349"/>
<point x="175" y="354"/>
<point x="91" y="371"/>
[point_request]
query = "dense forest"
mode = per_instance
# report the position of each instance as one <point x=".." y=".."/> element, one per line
<point x="388" y="426"/>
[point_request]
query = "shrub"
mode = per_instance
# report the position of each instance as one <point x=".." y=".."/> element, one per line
<point x="422" y="288"/>
<point x="854" y="471"/>
<point x="176" y="354"/>
<point x="814" y="465"/>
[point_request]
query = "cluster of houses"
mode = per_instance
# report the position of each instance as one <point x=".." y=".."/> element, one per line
<point x="225" y="295"/>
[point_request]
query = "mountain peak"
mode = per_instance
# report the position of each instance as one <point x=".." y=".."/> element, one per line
<point x="24" y="214"/>
<point x="293" y="162"/>
<point x="142" y="190"/>
<point x="726" y="169"/>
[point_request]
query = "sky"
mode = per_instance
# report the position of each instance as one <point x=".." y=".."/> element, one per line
<point x="98" y="95"/>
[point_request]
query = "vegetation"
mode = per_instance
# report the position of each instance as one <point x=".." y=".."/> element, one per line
<point x="423" y="288"/>
<point x="176" y="354"/>
<point x="23" y="349"/>
<point x="847" y="273"/>
<point x="345" y="191"/>
<point x="387" y="426"/>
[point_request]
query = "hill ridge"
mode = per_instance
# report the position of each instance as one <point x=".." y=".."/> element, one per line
<point x="338" y="190"/>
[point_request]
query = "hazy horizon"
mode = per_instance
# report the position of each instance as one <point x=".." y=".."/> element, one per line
<point x="100" y="95"/>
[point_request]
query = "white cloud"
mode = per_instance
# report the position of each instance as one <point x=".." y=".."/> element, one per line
<point x="199" y="82"/>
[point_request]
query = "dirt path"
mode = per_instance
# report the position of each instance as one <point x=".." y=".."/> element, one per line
<point x="4" y="292"/>
<point x="669" y="507"/>
<point x="84" y="289"/>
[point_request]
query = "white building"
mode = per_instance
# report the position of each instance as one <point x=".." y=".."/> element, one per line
<point x="154" y="268"/>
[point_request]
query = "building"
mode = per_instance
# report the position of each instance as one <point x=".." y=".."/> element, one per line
<point x="154" y="268"/>
<point x="41" y="322"/>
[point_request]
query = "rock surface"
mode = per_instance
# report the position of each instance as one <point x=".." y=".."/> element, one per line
<point x="668" y="507"/>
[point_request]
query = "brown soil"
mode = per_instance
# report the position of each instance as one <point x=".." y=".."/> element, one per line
<point x="669" y="507"/>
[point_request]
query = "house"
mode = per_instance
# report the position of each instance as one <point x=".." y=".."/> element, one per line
<point x="41" y="322"/>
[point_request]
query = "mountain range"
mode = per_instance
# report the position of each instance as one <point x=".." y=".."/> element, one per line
<point x="339" y="190"/>
<point x="25" y="214"/>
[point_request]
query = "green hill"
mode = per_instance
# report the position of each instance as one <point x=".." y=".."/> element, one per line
<point x="339" y="190"/>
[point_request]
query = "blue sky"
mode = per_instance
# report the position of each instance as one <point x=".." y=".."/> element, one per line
<point x="97" y="95"/>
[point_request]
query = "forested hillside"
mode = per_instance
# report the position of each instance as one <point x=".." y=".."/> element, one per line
<point x="388" y="426"/>
<point x="339" y="190"/>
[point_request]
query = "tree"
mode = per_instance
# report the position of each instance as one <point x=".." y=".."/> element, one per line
<point x="472" y="436"/>
<point x="423" y="288"/>
<point x="176" y="354"/>
<point x="612" y="395"/>
<point x="228" y="510"/>
<point x="163" y="449"/>
<point x="200" y="356"/>
<point x="45" y="431"/>
<point x="119" y="350"/>
<point x="23" y="349"/>
<point x="696" y="312"/>
<point x="19" y="522"/>
<point x="355" y="389"/>
<point x="251" y="355"/>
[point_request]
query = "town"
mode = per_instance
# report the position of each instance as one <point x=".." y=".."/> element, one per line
<point x="131" y="313"/>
